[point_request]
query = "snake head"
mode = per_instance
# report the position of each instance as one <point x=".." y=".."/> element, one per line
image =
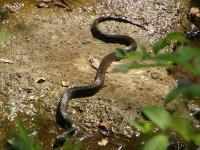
<point x="60" y="139"/>
<point x="59" y="142"/>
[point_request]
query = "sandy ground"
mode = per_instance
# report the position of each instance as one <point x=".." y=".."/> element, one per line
<point x="55" y="45"/>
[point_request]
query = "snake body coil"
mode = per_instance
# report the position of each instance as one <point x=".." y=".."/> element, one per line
<point x="91" y="89"/>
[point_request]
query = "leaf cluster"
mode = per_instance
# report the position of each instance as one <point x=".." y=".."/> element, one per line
<point x="186" y="57"/>
<point x="165" y="121"/>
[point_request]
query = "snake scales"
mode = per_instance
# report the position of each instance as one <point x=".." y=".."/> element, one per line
<point x="97" y="84"/>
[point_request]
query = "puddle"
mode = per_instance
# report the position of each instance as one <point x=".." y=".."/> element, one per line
<point x="45" y="131"/>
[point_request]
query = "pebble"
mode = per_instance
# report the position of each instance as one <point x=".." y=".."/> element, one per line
<point x="6" y="61"/>
<point x="103" y="142"/>
<point x="32" y="98"/>
<point x="104" y="125"/>
<point x="46" y="1"/>
<point x="65" y="83"/>
<point x="28" y="89"/>
<point x="42" y="4"/>
<point x="40" y="80"/>
<point x="14" y="7"/>
<point x="94" y="62"/>
<point x="194" y="10"/>
<point x="155" y="75"/>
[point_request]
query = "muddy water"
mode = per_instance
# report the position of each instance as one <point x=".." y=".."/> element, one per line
<point x="53" y="44"/>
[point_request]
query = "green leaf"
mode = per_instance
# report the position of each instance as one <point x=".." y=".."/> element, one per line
<point x="158" y="115"/>
<point x="188" y="58"/>
<point x="3" y="15"/>
<point x="77" y="146"/>
<point x="67" y="145"/>
<point x="159" y="45"/>
<point x="70" y="146"/>
<point x="28" y="141"/>
<point x="143" y="126"/>
<point x="22" y="140"/>
<point x="127" y="66"/>
<point x="187" y="53"/>
<point x="3" y="35"/>
<point x="177" y="36"/>
<point x="183" y="127"/>
<point x="196" y="139"/>
<point x="165" y="60"/>
<point x="168" y="57"/>
<point x="196" y="64"/>
<point x="159" y="142"/>
<point x="142" y="53"/>
<point x="120" y="54"/>
<point x="189" y="91"/>
<point x="131" y="65"/>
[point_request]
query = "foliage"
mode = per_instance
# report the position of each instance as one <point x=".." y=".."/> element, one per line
<point x="165" y="121"/>
<point x="158" y="142"/>
<point x="186" y="57"/>
<point x="3" y="15"/>
<point x="158" y="115"/>
<point x="22" y="140"/>
<point x="3" y="36"/>
<point x="68" y="146"/>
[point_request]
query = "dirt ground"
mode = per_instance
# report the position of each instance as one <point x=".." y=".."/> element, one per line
<point x="49" y="45"/>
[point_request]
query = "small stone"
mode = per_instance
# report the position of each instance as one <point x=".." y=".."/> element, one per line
<point x="65" y="83"/>
<point x="103" y="142"/>
<point x="32" y="98"/>
<point x="14" y="7"/>
<point x="28" y="89"/>
<point x="42" y="4"/>
<point x="6" y="61"/>
<point x="45" y="1"/>
<point x="40" y="80"/>
<point x="194" y="10"/>
<point x="54" y="37"/>
<point x="94" y="62"/>
<point x="62" y="3"/>
<point x="88" y="124"/>
<point x="154" y="75"/>
<point x="104" y="125"/>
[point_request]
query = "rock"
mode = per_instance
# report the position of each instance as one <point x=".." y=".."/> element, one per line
<point x="45" y="1"/>
<point x="194" y="10"/>
<point x="154" y="75"/>
<point x="62" y="3"/>
<point x="40" y="80"/>
<point x="32" y="98"/>
<point x="14" y="7"/>
<point x="104" y="125"/>
<point x="28" y="89"/>
<point x="42" y="4"/>
<point x="6" y="61"/>
<point x="65" y="83"/>
<point x="194" y="110"/>
<point x="94" y="62"/>
<point x="103" y="142"/>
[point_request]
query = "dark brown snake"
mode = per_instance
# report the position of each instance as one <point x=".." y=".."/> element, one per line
<point x="97" y="84"/>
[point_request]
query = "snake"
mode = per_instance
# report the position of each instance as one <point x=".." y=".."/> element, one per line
<point x="90" y="89"/>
